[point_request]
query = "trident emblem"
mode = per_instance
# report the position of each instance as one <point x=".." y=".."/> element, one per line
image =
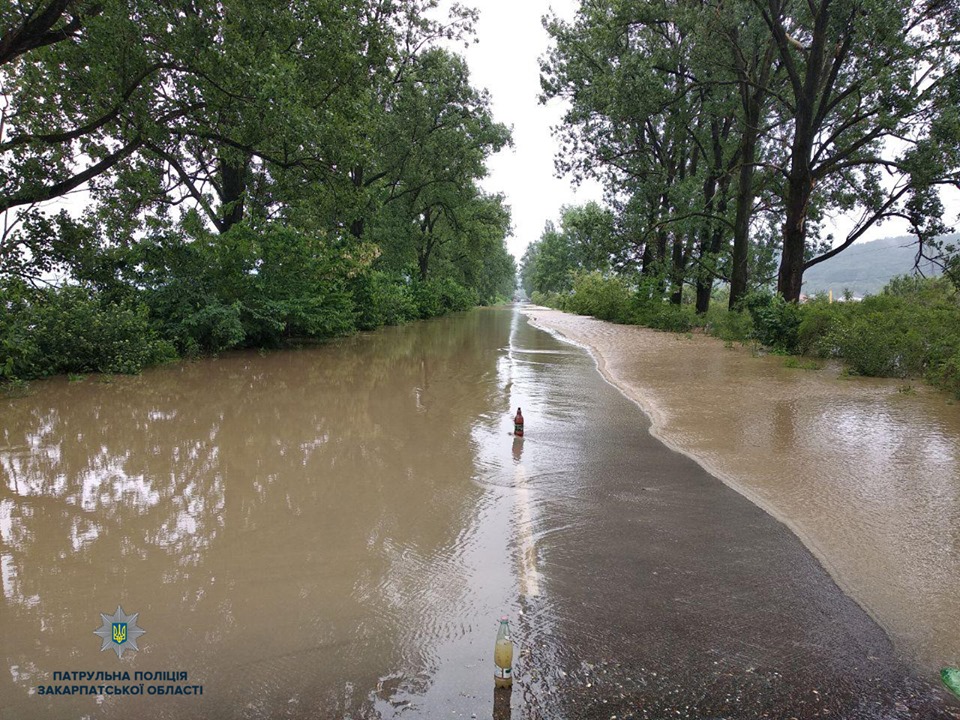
<point x="119" y="633"/>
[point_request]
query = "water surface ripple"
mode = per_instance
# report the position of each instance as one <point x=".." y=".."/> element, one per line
<point x="866" y="471"/>
<point x="334" y="531"/>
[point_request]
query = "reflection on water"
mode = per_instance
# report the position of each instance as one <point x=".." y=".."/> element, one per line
<point x="334" y="532"/>
<point x="867" y="475"/>
<point x="300" y="530"/>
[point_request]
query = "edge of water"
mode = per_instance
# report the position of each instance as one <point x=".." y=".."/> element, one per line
<point x="657" y="419"/>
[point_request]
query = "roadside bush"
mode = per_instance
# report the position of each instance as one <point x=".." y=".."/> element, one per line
<point x="246" y="287"/>
<point x="892" y="336"/>
<point x="455" y="297"/>
<point x="664" y="316"/>
<point x="605" y="298"/>
<point x="776" y="322"/>
<point x="298" y="289"/>
<point x="819" y="320"/>
<point x="210" y="328"/>
<point x="947" y="374"/>
<point x="438" y="296"/>
<point x="921" y="290"/>
<point x="380" y="299"/>
<point x="551" y="300"/>
<point x="731" y="325"/>
<point x="73" y="329"/>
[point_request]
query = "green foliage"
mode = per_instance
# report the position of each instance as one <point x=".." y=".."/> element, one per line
<point x="776" y="322"/>
<point x="605" y="298"/>
<point x="382" y="299"/>
<point x="947" y="373"/>
<point x="819" y="320"/>
<point x="583" y="243"/>
<point x="299" y="288"/>
<point x="550" y="300"/>
<point x="259" y="173"/>
<point x="729" y="325"/>
<point x="73" y="330"/>
<point x="911" y="329"/>
<point x="664" y="316"/>
<point x="246" y="287"/>
<point x="667" y="154"/>
<point x="925" y="291"/>
<point x="613" y="299"/>
<point x="209" y="328"/>
<point x="437" y="297"/>
<point x="893" y="336"/>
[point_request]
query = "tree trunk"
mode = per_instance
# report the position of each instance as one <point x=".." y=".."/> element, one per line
<point x="357" y="224"/>
<point x="233" y="189"/>
<point x="800" y="179"/>
<point x="677" y="271"/>
<point x="646" y="260"/>
<point x="753" y="89"/>
<point x="704" y="279"/>
<point x="790" y="276"/>
<point x="741" y="224"/>
<point x="423" y="261"/>
<point x="708" y="238"/>
<point x="799" y="191"/>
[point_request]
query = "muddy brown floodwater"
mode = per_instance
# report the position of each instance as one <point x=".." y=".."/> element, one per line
<point x="865" y="471"/>
<point x="334" y="532"/>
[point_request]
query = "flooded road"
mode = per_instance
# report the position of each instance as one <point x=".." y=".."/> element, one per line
<point x="865" y="470"/>
<point x="334" y="532"/>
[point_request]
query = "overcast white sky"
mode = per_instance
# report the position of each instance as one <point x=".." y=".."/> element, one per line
<point x="505" y="61"/>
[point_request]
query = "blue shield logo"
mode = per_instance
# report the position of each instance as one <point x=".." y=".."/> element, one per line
<point x="119" y="633"/>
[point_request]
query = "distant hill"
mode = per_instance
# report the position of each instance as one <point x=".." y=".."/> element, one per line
<point x="864" y="268"/>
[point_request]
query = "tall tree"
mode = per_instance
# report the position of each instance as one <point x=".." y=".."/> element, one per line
<point x="584" y="242"/>
<point x="865" y="80"/>
<point x="442" y="132"/>
<point x="646" y="118"/>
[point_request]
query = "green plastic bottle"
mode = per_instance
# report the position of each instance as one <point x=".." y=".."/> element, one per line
<point x="951" y="678"/>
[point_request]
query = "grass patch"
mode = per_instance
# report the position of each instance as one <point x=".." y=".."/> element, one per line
<point x="798" y="363"/>
<point x="15" y="387"/>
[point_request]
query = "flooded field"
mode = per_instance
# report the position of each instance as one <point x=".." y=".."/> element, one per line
<point x="335" y="531"/>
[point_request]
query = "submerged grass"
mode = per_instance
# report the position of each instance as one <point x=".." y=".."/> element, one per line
<point x="910" y="330"/>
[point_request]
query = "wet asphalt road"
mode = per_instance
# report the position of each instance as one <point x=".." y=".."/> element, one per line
<point x="666" y="593"/>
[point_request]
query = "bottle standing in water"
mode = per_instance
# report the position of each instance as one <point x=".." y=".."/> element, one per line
<point x="518" y="424"/>
<point x="503" y="656"/>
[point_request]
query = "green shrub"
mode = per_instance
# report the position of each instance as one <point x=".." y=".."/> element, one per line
<point x="663" y="316"/>
<point x="74" y="330"/>
<point x="246" y="287"/>
<point x="380" y="299"/>
<point x="819" y="320"/>
<point x="947" y="373"/>
<point x="921" y="290"/>
<point x="210" y="328"/>
<point x="551" y="300"/>
<point x="776" y="322"/>
<point x="728" y="325"/>
<point x="438" y="296"/>
<point x="605" y="298"/>
<point x="455" y="297"/>
<point x="895" y="336"/>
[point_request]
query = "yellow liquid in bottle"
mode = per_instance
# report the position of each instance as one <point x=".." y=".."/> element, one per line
<point x="503" y="662"/>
